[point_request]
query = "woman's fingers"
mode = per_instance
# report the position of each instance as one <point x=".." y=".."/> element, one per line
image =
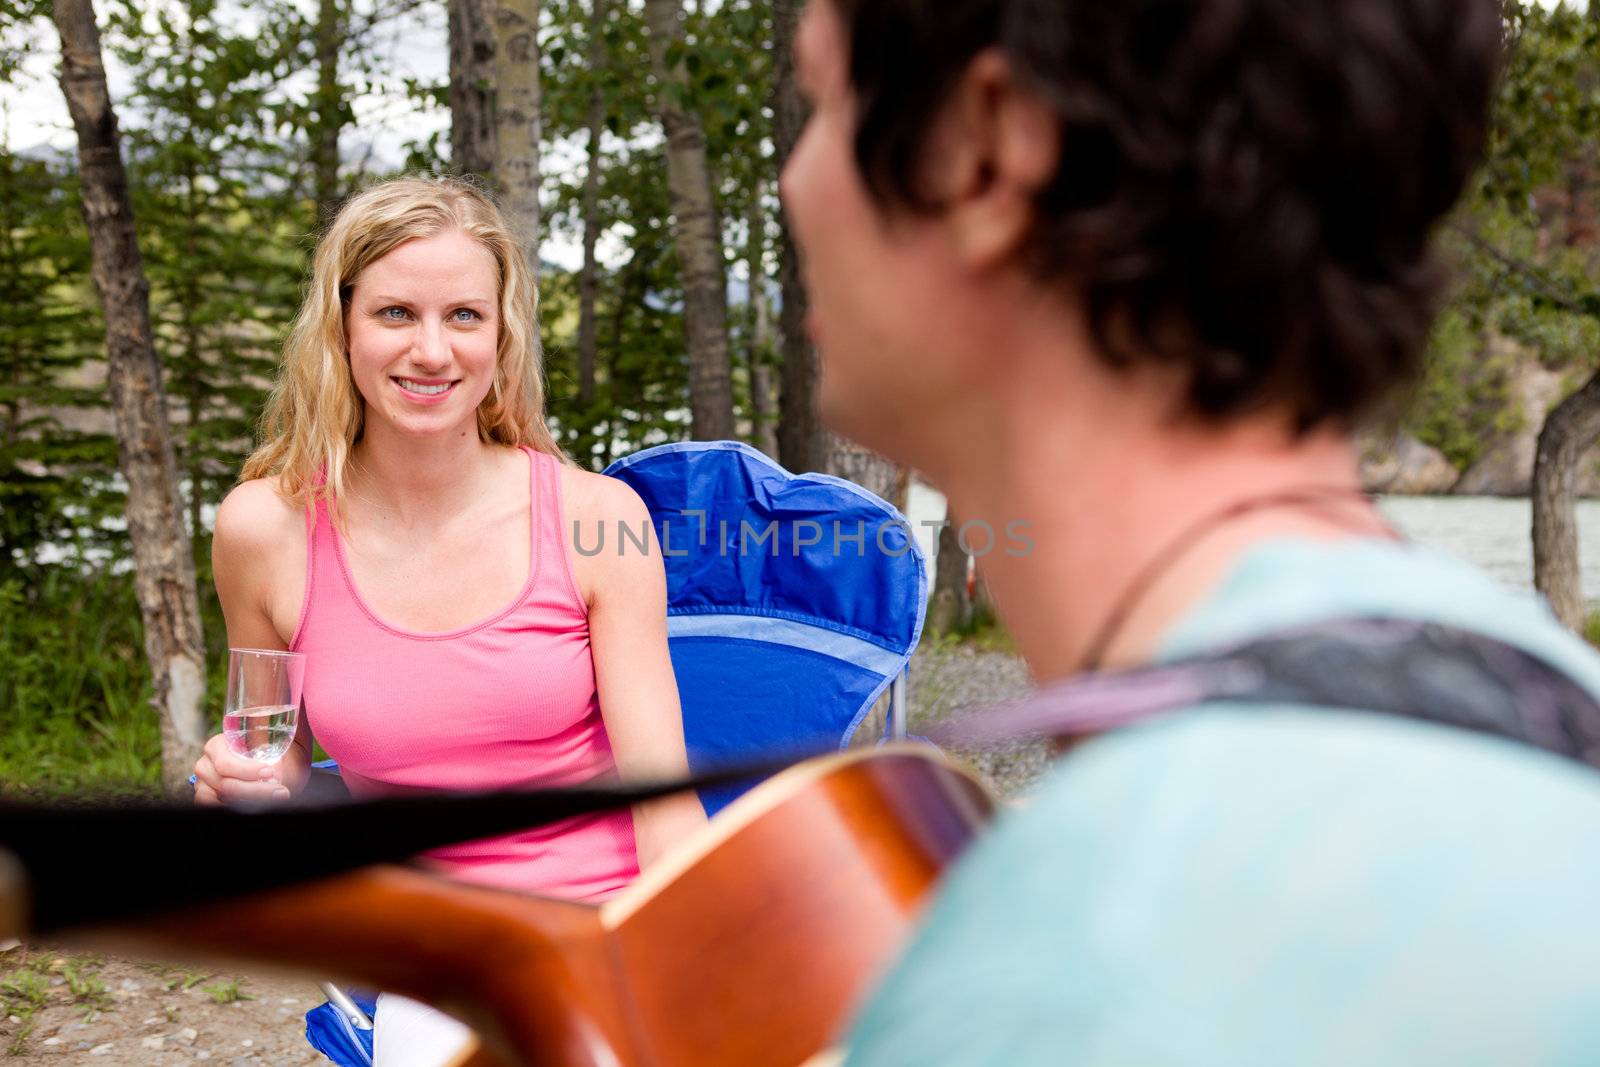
<point x="230" y="764"/>
<point x="223" y="777"/>
<point x="236" y="790"/>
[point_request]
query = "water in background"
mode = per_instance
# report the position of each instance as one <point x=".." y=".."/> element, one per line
<point x="1492" y="532"/>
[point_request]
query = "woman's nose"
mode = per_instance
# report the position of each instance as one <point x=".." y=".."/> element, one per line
<point x="432" y="347"/>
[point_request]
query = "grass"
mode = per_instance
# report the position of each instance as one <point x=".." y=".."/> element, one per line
<point x="39" y="982"/>
<point x="981" y="631"/>
<point x="227" y="992"/>
<point x="18" y="1045"/>
<point x="84" y="985"/>
<point x="26" y="990"/>
<point x="172" y="977"/>
<point x="75" y="685"/>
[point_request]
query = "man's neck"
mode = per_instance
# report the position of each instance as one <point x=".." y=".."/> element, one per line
<point x="1106" y="482"/>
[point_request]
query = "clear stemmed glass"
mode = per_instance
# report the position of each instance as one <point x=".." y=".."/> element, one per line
<point x="263" y="702"/>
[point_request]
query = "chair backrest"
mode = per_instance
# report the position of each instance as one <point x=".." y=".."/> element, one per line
<point x="793" y="600"/>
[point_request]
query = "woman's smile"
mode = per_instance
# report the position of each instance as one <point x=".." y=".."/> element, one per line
<point x="426" y="390"/>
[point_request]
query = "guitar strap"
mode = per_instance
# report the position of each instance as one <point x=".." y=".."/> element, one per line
<point x="162" y="857"/>
<point x="1409" y="668"/>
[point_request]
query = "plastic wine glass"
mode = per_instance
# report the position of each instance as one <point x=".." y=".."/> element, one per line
<point x="263" y="702"/>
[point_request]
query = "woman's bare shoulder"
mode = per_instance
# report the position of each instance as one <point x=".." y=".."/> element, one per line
<point x="255" y="518"/>
<point x="591" y="497"/>
<point x="597" y="508"/>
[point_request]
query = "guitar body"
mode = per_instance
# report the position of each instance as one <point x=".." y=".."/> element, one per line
<point x="751" y="945"/>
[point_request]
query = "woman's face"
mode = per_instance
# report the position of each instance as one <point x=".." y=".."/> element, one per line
<point x="423" y="328"/>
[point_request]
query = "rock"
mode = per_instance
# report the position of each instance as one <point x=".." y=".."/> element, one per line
<point x="15" y="1020"/>
<point x="156" y="1041"/>
<point x="102" y="1050"/>
<point x="9" y="943"/>
<point x="128" y="985"/>
<point x="1405" y="465"/>
<point x="188" y="1034"/>
<point x="1506" y="467"/>
<point x="52" y="1041"/>
<point x="202" y="1055"/>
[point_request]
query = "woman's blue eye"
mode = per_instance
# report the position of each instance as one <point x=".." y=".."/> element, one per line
<point x="392" y="313"/>
<point x="472" y="316"/>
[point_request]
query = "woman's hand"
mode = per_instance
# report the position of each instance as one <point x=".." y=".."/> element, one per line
<point x="659" y="826"/>
<point x="224" y="777"/>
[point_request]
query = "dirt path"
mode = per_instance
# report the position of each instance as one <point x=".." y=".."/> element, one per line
<point x="61" y="1007"/>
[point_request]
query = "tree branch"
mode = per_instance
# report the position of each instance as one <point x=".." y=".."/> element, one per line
<point x="1588" y="304"/>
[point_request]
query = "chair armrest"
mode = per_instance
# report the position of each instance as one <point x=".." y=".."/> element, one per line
<point x="323" y="787"/>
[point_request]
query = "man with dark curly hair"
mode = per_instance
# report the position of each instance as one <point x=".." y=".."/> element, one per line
<point x="1130" y="272"/>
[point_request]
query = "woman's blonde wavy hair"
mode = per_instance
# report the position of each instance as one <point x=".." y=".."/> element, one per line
<point x="314" y="415"/>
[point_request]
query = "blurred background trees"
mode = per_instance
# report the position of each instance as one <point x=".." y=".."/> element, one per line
<point x="638" y="143"/>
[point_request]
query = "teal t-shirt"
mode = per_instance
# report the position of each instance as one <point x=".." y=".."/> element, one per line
<point x="1242" y="885"/>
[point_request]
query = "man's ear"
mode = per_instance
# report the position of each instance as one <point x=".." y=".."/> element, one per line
<point x="995" y="144"/>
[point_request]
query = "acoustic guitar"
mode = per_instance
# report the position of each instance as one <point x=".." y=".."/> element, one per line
<point x="750" y="945"/>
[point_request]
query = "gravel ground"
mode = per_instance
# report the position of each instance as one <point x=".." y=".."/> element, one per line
<point x="949" y="680"/>
<point x="63" y="1009"/>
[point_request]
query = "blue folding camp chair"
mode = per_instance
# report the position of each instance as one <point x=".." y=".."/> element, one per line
<point x="794" y="601"/>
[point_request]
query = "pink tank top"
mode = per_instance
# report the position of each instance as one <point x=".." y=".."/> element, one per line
<point x="509" y="701"/>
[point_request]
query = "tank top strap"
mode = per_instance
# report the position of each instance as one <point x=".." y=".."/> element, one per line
<point x="321" y="561"/>
<point x="550" y="530"/>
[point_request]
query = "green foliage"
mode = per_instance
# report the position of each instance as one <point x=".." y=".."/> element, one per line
<point x="641" y="395"/>
<point x="1462" y="401"/>
<point x="1549" y="102"/>
<point x="1525" y="240"/>
<point x="75" y="687"/>
<point x="220" y="112"/>
<point x="23" y="993"/>
<point x="25" y="990"/>
<point x="227" y="992"/>
<point x="84" y="985"/>
<point x="52" y="477"/>
<point x="221" y="223"/>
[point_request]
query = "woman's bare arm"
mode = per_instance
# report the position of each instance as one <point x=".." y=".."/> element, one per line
<point x="633" y="671"/>
<point x="252" y="565"/>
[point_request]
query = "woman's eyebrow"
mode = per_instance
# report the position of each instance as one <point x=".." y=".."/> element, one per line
<point x="386" y="299"/>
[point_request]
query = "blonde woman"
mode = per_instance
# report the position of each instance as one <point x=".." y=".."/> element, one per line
<point x="406" y="525"/>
